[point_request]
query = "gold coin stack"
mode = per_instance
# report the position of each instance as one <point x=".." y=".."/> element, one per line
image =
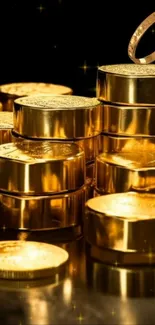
<point x="55" y="139"/>
<point x="10" y="92"/>
<point x="42" y="185"/>
<point x="128" y="133"/>
<point x="120" y="219"/>
<point x="62" y="118"/>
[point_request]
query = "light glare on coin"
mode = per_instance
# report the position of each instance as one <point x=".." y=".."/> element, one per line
<point x="22" y="259"/>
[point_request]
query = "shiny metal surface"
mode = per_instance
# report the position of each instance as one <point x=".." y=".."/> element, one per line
<point x="113" y="144"/>
<point x="120" y="258"/>
<point x="125" y="171"/>
<point x="57" y="117"/>
<point x="90" y="180"/>
<point x="23" y="260"/>
<point x="42" y="212"/>
<point x="41" y="167"/>
<point x="119" y="281"/>
<point x="91" y="146"/>
<point x="129" y="84"/>
<point x="9" y="92"/>
<point x="6" y="126"/>
<point x="128" y="120"/>
<point x="135" y="39"/>
<point x="120" y="217"/>
<point x="82" y="297"/>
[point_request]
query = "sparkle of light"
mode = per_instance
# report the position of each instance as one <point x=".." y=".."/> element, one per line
<point x="41" y="8"/>
<point x="80" y="318"/>
<point x="85" y="67"/>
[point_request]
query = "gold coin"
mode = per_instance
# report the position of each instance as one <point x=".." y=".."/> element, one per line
<point x="131" y="205"/>
<point x="30" y="260"/>
<point x="33" y="88"/>
<point x="130" y="69"/>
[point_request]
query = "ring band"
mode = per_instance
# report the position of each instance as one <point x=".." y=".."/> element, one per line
<point x="136" y="37"/>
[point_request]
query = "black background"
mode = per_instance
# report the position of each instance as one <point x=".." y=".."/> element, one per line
<point x="53" y="43"/>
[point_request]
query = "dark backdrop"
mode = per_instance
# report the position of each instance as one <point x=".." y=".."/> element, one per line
<point x="63" y="41"/>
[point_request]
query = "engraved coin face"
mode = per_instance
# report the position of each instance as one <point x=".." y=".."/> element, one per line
<point x="131" y="205"/>
<point x="131" y="160"/>
<point x="58" y="102"/>
<point x="6" y="120"/>
<point x="23" y="258"/>
<point x="130" y="69"/>
<point x="40" y="151"/>
<point x="33" y="88"/>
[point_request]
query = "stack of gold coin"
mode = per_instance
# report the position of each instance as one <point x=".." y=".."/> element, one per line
<point x="71" y="119"/>
<point x="42" y="185"/>
<point x="126" y="92"/>
<point x="119" y="228"/>
<point x="9" y="92"/>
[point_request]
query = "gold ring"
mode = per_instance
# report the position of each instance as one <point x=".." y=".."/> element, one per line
<point x="136" y="37"/>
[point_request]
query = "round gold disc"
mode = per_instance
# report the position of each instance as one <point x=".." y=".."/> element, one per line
<point x="131" y="205"/>
<point x="130" y="69"/>
<point x="33" y="88"/>
<point x="30" y="260"/>
<point x="129" y="84"/>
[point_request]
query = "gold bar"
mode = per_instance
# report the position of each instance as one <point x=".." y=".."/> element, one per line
<point x="91" y="146"/>
<point x="125" y="171"/>
<point x="9" y="92"/>
<point x="112" y="222"/>
<point x="6" y="126"/>
<point x="120" y="281"/>
<point x="42" y="212"/>
<point x="41" y="167"/>
<point x="128" y="120"/>
<point x="116" y="144"/>
<point x="129" y="84"/>
<point x="57" y="117"/>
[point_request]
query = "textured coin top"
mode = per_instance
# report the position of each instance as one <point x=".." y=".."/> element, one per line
<point x="124" y="205"/>
<point x="6" y="120"/>
<point x="130" y="160"/>
<point x="130" y="69"/>
<point x="23" y="256"/>
<point x="58" y="102"/>
<point x="32" y="88"/>
<point x="40" y="151"/>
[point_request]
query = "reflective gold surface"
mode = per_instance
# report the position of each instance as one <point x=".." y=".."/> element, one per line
<point x="91" y="146"/>
<point x="59" y="117"/>
<point x="90" y="180"/>
<point x="129" y="84"/>
<point x="42" y="212"/>
<point x="124" y="222"/>
<point x="28" y="260"/>
<point x="113" y="144"/>
<point x="64" y="276"/>
<point x="125" y="171"/>
<point x="90" y="173"/>
<point x="120" y="258"/>
<point x="41" y="167"/>
<point x="9" y="92"/>
<point x="123" y="282"/>
<point x="128" y="120"/>
<point x="6" y="125"/>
